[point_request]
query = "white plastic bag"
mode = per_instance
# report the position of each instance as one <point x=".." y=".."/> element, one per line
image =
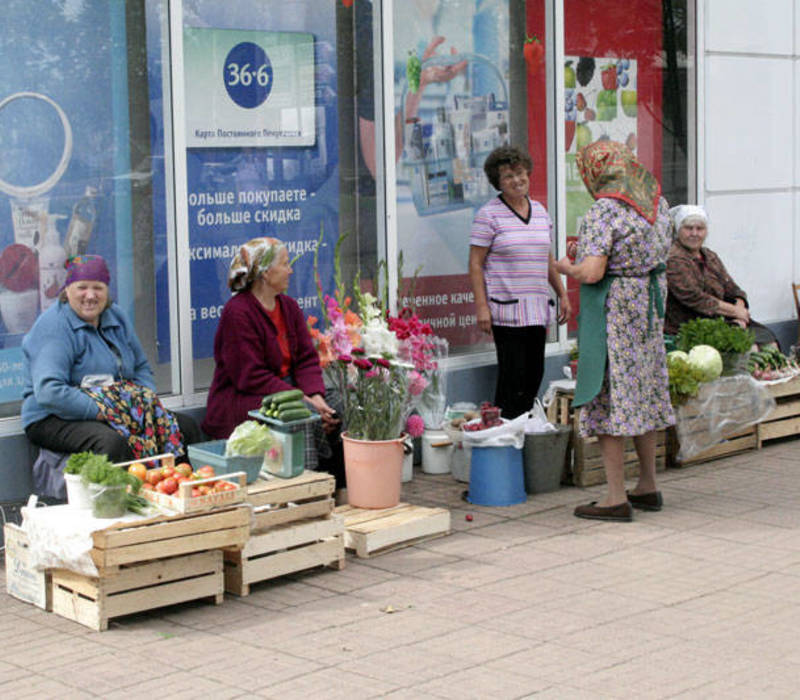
<point x="510" y="434"/>
<point x="537" y="420"/>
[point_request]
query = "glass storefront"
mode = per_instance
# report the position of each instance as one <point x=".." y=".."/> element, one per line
<point x="281" y="131"/>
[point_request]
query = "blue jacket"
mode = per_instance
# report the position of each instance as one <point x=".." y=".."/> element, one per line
<point x="61" y="349"/>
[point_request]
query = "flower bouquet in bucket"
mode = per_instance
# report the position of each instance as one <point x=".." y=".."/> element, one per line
<point x="359" y="356"/>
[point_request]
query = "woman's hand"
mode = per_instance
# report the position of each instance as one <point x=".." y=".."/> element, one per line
<point x="564" y="308"/>
<point x="484" y="318"/>
<point x="329" y="419"/>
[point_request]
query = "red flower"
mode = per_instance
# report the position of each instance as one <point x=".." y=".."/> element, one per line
<point x="362" y="363"/>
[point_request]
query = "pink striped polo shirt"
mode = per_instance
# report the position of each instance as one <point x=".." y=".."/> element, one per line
<point x="515" y="269"/>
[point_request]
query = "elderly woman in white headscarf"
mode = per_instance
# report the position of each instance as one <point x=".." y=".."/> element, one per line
<point x="262" y="344"/>
<point x="699" y="285"/>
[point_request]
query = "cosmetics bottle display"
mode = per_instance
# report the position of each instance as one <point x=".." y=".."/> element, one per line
<point x="51" y="263"/>
<point x="84" y="214"/>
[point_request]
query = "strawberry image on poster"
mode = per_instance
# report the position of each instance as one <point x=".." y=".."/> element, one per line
<point x="19" y="268"/>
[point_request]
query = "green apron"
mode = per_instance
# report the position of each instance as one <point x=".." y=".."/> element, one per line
<point x="592" y="332"/>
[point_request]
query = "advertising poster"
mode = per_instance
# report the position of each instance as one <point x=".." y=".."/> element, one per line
<point x="613" y="89"/>
<point x="452" y="94"/>
<point x="281" y="177"/>
<point x="65" y="161"/>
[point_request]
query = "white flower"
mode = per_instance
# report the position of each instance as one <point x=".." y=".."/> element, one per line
<point x="378" y="340"/>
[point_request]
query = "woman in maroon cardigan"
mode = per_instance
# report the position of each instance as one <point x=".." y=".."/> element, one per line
<point x="262" y="344"/>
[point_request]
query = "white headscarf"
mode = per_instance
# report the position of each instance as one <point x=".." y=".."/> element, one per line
<point x="682" y="212"/>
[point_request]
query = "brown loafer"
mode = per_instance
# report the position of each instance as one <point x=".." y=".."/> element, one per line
<point x="622" y="513"/>
<point x="646" y="501"/>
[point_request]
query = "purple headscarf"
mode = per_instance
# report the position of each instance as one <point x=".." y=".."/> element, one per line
<point x="86" y="268"/>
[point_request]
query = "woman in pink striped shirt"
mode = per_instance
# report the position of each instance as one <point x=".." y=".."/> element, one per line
<point x="512" y="270"/>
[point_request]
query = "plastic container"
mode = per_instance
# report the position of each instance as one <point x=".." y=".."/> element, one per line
<point x="544" y="456"/>
<point x="408" y="466"/>
<point x="460" y="459"/>
<point x="496" y="476"/>
<point x="108" y="501"/>
<point x="287" y="459"/>
<point x="436" y="449"/>
<point x="78" y="495"/>
<point x="213" y="454"/>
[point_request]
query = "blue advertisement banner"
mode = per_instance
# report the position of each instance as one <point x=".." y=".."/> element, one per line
<point x="65" y="166"/>
<point x="238" y="193"/>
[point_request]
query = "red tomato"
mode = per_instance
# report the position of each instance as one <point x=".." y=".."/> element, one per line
<point x="184" y="469"/>
<point x="153" y="476"/>
<point x="181" y="479"/>
<point x="195" y="492"/>
<point x="170" y="484"/>
<point x="167" y="471"/>
<point x="160" y="486"/>
<point x="205" y="471"/>
<point x="203" y="489"/>
<point x="147" y="486"/>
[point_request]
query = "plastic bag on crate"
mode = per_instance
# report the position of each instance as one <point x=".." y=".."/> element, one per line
<point x="537" y="420"/>
<point x="510" y="434"/>
<point x="721" y="409"/>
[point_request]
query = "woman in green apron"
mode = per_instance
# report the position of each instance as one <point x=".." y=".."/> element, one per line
<point x="622" y="382"/>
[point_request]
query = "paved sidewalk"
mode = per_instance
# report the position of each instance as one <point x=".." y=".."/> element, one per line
<point x="700" y="600"/>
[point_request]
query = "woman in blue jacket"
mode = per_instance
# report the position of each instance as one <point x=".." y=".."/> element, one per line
<point x="88" y="384"/>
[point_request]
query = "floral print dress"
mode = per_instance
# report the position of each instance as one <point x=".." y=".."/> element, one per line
<point x="634" y="398"/>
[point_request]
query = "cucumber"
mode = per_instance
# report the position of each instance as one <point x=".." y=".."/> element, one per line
<point x="283" y="396"/>
<point x="289" y="406"/>
<point x="294" y="414"/>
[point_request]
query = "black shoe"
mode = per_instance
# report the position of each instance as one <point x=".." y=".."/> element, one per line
<point x="622" y="513"/>
<point x="646" y="501"/>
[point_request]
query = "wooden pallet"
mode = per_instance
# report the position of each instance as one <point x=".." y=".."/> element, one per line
<point x="785" y="419"/>
<point x="285" y="549"/>
<point x="136" y="587"/>
<point x="370" y="532"/>
<point x="168" y="536"/>
<point x="587" y="462"/>
<point x="23" y="581"/>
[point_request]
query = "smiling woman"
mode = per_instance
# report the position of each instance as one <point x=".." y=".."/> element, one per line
<point x="88" y="384"/>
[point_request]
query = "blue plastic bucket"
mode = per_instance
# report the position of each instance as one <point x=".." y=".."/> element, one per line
<point x="496" y="476"/>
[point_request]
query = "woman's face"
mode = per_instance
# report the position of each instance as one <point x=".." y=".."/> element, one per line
<point x="692" y="236"/>
<point x="279" y="272"/>
<point x="514" y="181"/>
<point x="88" y="299"/>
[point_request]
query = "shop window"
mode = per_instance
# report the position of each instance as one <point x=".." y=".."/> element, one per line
<point x="272" y="113"/>
<point x="459" y="97"/>
<point x="78" y="172"/>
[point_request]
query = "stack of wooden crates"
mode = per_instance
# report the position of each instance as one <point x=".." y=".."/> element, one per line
<point x="293" y="528"/>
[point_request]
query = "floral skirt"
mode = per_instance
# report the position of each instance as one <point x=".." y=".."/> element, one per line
<point x="137" y="414"/>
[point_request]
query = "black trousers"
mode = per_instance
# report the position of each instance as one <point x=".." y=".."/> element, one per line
<point x="520" y="366"/>
<point x="69" y="436"/>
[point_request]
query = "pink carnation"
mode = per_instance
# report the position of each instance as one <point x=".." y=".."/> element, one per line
<point x="415" y="425"/>
<point x="416" y="383"/>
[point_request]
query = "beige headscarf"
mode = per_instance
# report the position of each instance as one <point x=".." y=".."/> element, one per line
<point x="254" y="257"/>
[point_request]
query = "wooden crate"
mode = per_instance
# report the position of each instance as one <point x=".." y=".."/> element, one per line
<point x="785" y="419"/>
<point x="168" y="536"/>
<point x="277" y="501"/>
<point x="23" y="581"/>
<point x="136" y="587"/>
<point x="292" y="529"/>
<point x="587" y="462"/>
<point x="738" y="442"/>
<point x="285" y="549"/>
<point x="369" y="532"/>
